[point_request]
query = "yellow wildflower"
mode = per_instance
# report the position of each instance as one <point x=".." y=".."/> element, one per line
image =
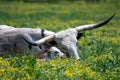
<point x="68" y="73"/>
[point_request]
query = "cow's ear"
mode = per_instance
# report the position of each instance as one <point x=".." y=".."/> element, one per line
<point x="79" y="35"/>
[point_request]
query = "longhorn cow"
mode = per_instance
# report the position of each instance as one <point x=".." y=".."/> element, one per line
<point x="11" y="41"/>
<point x="18" y="40"/>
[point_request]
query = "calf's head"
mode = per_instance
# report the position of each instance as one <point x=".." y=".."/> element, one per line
<point x="50" y="54"/>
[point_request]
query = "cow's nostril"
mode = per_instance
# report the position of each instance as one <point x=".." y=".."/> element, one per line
<point x="64" y="56"/>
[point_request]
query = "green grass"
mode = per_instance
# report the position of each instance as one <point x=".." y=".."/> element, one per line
<point x="99" y="49"/>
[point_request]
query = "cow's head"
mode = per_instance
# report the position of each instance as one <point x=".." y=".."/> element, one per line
<point x="66" y="40"/>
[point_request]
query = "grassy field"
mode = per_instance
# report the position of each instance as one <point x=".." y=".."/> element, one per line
<point x="99" y="49"/>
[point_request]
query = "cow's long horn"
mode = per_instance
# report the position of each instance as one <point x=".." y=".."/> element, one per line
<point x="41" y="41"/>
<point x="79" y="28"/>
<point x="93" y="26"/>
<point x="45" y="40"/>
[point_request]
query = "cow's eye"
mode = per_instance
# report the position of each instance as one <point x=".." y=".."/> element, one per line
<point x="40" y="47"/>
<point x="30" y="47"/>
<point x="56" y="52"/>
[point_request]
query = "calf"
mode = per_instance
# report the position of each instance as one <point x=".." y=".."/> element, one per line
<point x="50" y="54"/>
